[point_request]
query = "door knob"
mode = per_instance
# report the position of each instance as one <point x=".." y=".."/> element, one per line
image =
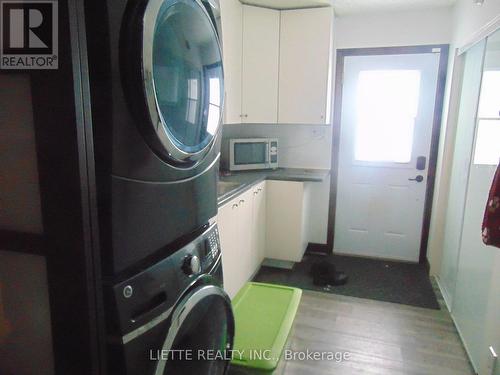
<point x="419" y="178"/>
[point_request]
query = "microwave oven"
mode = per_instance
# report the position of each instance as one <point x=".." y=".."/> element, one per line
<point x="253" y="153"/>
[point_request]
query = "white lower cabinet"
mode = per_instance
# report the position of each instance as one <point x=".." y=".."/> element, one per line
<point x="266" y="221"/>
<point x="242" y="234"/>
<point x="228" y="228"/>
<point x="286" y="234"/>
<point x="259" y="225"/>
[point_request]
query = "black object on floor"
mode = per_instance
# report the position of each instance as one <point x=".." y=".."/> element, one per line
<point x="325" y="274"/>
<point x="380" y="280"/>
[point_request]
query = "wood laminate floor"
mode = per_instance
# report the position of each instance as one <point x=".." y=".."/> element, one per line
<point x="381" y="338"/>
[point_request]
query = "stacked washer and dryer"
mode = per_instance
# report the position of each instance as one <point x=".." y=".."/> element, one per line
<point x="156" y="89"/>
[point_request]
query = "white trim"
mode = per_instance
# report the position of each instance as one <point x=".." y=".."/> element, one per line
<point x="484" y="32"/>
<point x="446" y="296"/>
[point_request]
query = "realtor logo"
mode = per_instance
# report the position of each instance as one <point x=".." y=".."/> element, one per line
<point x="28" y="35"/>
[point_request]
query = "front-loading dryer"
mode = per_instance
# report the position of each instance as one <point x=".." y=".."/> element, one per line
<point x="174" y="317"/>
<point x="156" y="88"/>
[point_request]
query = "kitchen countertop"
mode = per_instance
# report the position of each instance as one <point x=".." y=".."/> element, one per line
<point x="243" y="180"/>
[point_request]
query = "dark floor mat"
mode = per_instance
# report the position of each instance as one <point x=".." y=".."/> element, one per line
<point x="375" y="279"/>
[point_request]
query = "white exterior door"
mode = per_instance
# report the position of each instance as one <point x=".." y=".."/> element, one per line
<point x="386" y="129"/>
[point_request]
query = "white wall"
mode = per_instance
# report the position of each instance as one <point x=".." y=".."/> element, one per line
<point x="395" y="29"/>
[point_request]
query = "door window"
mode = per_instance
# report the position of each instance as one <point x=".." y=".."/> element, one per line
<point x="187" y="73"/>
<point x="386" y="108"/>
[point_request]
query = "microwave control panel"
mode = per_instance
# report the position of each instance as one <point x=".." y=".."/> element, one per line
<point x="273" y="152"/>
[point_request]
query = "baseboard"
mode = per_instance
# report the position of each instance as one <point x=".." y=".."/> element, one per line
<point x="427" y="266"/>
<point x="317" y="248"/>
<point x="444" y="293"/>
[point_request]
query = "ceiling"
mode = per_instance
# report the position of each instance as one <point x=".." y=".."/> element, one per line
<point x="349" y="7"/>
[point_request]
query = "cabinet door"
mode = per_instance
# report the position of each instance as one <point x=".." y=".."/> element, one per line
<point x="260" y="65"/>
<point x="259" y="224"/>
<point x="304" y="66"/>
<point x="284" y="234"/>
<point x="245" y="232"/>
<point x="228" y="230"/>
<point x="231" y="20"/>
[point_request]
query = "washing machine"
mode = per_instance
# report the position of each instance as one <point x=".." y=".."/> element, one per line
<point x="174" y="317"/>
<point x="156" y="93"/>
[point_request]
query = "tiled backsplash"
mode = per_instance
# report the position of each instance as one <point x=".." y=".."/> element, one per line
<point x="300" y="146"/>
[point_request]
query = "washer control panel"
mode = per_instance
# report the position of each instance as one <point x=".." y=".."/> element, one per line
<point x="212" y="248"/>
<point x="135" y="301"/>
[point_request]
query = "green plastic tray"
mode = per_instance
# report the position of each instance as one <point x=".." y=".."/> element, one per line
<point x="264" y="315"/>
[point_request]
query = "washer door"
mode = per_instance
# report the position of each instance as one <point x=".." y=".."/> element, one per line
<point x="202" y="326"/>
<point x="176" y="89"/>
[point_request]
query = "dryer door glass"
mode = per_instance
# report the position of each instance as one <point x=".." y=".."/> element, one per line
<point x="201" y="334"/>
<point x="187" y="74"/>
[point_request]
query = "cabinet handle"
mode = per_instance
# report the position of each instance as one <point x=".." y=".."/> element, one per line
<point x="255" y="192"/>
<point x="235" y="205"/>
<point x="241" y="201"/>
<point x="260" y="189"/>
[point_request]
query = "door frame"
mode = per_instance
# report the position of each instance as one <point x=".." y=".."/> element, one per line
<point x="436" y="129"/>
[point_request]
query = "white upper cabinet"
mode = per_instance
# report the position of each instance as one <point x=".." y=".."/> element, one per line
<point x="277" y="64"/>
<point x="305" y="66"/>
<point x="259" y="98"/>
<point x="232" y="19"/>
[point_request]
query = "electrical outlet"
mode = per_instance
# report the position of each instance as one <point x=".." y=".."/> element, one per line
<point x="318" y="134"/>
<point x="492" y="361"/>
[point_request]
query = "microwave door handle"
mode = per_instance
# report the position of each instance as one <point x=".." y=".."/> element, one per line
<point x="268" y="150"/>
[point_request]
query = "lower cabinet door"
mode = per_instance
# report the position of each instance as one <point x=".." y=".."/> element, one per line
<point x="245" y="235"/>
<point x="285" y="238"/>
<point x="259" y="225"/>
<point x="228" y="229"/>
